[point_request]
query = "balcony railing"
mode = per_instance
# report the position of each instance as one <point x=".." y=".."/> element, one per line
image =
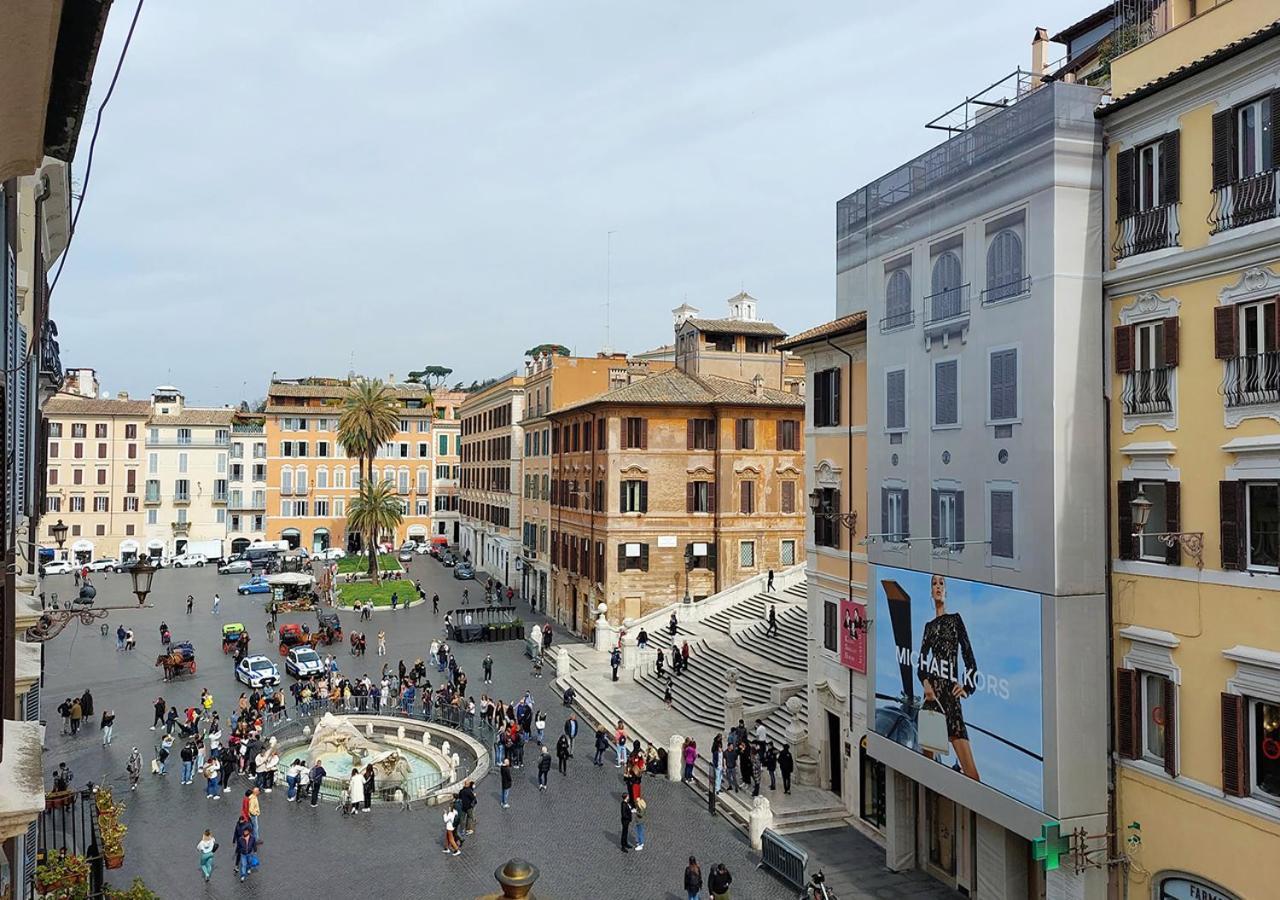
<point x="1252" y="380"/>
<point x="249" y="504"/>
<point x="219" y="498"/>
<point x="1146" y="392"/>
<point x="181" y="527"/>
<point x="948" y="305"/>
<point x="181" y="498"/>
<point x="151" y="499"/>
<point x="897" y="320"/>
<point x="1244" y="202"/>
<point x="1007" y="291"/>
<point x="1147" y="230"/>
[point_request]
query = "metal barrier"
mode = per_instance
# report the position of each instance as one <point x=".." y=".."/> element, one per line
<point x="784" y="858"/>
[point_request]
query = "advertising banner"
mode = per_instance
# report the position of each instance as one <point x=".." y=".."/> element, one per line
<point x="958" y="677"/>
<point x="853" y="636"/>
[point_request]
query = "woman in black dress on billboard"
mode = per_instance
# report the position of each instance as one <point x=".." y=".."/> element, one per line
<point x="945" y="640"/>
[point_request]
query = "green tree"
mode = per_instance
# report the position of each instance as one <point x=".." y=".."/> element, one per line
<point x="431" y="375"/>
<point x="544" y="349"/>
<point x="370" y="417"/>
<point x="374" y="511"/>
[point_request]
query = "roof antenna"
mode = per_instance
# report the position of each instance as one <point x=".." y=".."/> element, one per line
<point x="608" y="289"/>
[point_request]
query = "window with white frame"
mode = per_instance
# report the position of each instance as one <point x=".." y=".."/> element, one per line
<point x="948" y="518"/>
<point x="340" y="507"/>
<point x="422" y="507"/>
<point x="152" y="516"/>
<point x="1254" y="140"/>
<point x="286" y="480"/>
<point x="1264" y="748"/>
<point x="1262" y="518"/>
<point x="153" y="463"/>
<point x="1147" y="193"/>
<point x="894" y="523"/>
<point x="101" y="504"/>
<point x="300" y="481"/>
<point x="339" y="478"/>
<point x="403" y="475"/>
<point x="1152" y="687"/>
<point x="322" y="506"/>
<point x="424" y="478"/>
<point x="746" y="554"/>
<point x="322" y="478"/>
<point x="946" y="393"/>
<point x="1151" y="548"/>
<point x="787" y="553"/>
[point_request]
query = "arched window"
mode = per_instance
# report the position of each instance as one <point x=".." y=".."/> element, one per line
<point x="339" y="478"/>
<point x="302" y="480"/>
<point x="286" y="480"/>
<point x="322" y="478"/>
<point x="897" y="299"/>
<point x="1004" y="266"/>
<point x="947" y="276"/>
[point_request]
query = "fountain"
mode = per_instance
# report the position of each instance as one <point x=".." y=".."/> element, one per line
<point x="335" y="737"/>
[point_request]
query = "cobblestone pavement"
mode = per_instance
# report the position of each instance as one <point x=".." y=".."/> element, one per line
<point x="570" y="832"/>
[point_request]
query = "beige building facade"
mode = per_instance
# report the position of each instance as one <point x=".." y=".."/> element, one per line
<point x="492" y="456"/>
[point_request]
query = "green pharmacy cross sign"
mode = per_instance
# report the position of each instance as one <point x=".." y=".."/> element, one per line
<point x="1051" y="846"/>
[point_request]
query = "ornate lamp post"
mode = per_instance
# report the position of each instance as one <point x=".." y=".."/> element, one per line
<point x="141" y="573"/>
<point x="59" y="532"/>
<point x="1191" y="542"/>
<point x="822" y="509"/>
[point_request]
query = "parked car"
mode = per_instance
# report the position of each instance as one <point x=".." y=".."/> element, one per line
<point x="448" y="560"/>
<point x="187" y="560"/>
<point x="104" y="564"/>
<point x="423" y="548"/>
<point x="332" y="553"/>
<point x="256" y="585"/>
<point x="257" y="671"/>
<point x="464" y="570"/>
<point x="128" y="564"/>
<point x="405" y="555"/>
<point x="302" y="662"/>
<point x="57" y="567"/>
<point x="236" y="567"/>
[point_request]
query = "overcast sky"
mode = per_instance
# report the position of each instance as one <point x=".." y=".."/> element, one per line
<point x="306" y="188"/>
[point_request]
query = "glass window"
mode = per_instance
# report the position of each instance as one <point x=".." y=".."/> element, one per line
<point x="1265" y="746"/>
<point x="788" y="553"/>
<point x="1149" y="176"/>
<point x="1004" y="265"/>
<point x="946" y="393"/>
<point x="1263" y="501"/>
<point x="895" y="500"/>
<point x="1153" y="717"/>
<point x="1253" y="138"/>
<point x="1157" y="522"/>
<point x="747" y="554"/>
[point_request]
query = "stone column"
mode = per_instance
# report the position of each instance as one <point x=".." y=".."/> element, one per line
<point x="733" y="702"/>
<point x="761" y="817"/>
<point x="630" y="655"/>
<point x="798" y="738"/>
<point x="675" y="757"/>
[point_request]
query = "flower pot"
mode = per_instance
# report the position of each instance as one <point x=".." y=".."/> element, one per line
<point x="520" y="632"/>
<point x="113" y="862"/>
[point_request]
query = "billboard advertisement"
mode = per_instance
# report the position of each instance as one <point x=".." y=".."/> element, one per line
<point x="959" y="678"/>
<point x="853" y="636"/>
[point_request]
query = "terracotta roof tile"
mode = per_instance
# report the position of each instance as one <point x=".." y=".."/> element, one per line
<point x="76" y="406"/>
<point x="737" y="326"/>
<point x="197" y="416"/>
<point x="675" y="387"/>
<point x="843" y="325"/>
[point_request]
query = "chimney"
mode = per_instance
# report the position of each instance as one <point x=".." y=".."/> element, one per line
<point x="1039" y="53"/>
<point x="757" y="385"/>
<point x="122" y="395"/>
<point x="391" y="378"/>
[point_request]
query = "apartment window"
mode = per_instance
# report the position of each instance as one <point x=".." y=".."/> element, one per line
<point x="102" y="476"/>
<point x="78" y="450"/>
<point x="260" y="473"/>
<point x="895" y="400"/>
<point x="1003" y="384"/>
<point x="422" y="507"/>
<point x="53" y="476"/>
<point x="443" y="444"/>
<point x="895" y="525"/>
<point x="77" y="476"/>
<point x="101" y="504"/>
<point x="153" y="463"/>
<point x="826" y="398"/>
<point x="602" y="434"/>
<point x="787" y="553"/>
<point x="220" y="489"/>
<point x="745" y="433"/>
<point x="182" y="489"/>
<point x="286" y="448"/>
<point x="635" y="496"/>
<point x="152" y="516"/>
<point x="322" y="506"/>
<point x="53" y="502"/>
<point x="130" y="504"/>
<point x="404" y="424"/>
<point x="182" y="515"/>
<point x="830" y="631"/>
<point x="702" y="434"/>
<point x="746" y="554"/>
<point x="184" y="435"/>
<point x="102" y="451"/>
<point x="788" y="434"/>
<point x="948" y="519"/>
<point x="1262" y="515"/>
<point x="746" y="497"/>
<point x="339" y="510"/>
<point x="946" y="393"/>
<point x="633" y="557"/>
<point x="55" y="429"/>
<point x="79" y="430"/>
<point x="1255" y="143"/>
<point x="100" y="430"/>
<point x="424" y="425"/>
<point x="132" y="451"/>
<point x="260" y="451"/>
<point x="826" y="530"/>
<point x="153" y="435"/>
<point x="787" y="497"/>
<point x="300" y="448"/>
<point x="153" y="490"/>
<point x="237" y="472"/>
<point x="897" y="299"/>
<point x="945" y="299"/>
<point x="424" y="477"/>
<point x="53" y="449"/>
<point x="1000" y="508"/>
<point x="1004" y="266"/>
<point x="182" y="462"/>
<point x="322" y="448"/>
<point x="77" y="503"/>
<point x="635" y="433"/>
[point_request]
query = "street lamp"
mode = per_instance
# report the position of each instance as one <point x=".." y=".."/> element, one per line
<point x="819" y="506"/>
<point x="141" y="573"/>
<point x="59" y="532"/>
<point x="1190" y="541"/>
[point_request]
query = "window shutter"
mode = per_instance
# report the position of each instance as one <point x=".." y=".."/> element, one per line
<point x="711" y="556"/>
<point x="644" y="557"/>
<point x="777" y="434"/>
<point x="1169" y="702"/>
<point x="688" y="437"/>
<point x="600" y="435"/>
<point x="644" y="496"/>
<point x="884" y="510"/>
<point x="934" y="510"/>
<point x="744" y="494"/>
<point x="1230" y="514"/>
<point x="1124" y="184"/>
<point x="622" y="557"/>
<point x="1224" y="148"/>
<point x="1235" y="749"/>
<point x="622" y="496"/>
<point x="959" y="517"/>
<point x="836" y="406"/>
<point x="1123" y="344"/>
<point x="1170" y="349"/>
<point x="713" y="433"/>
<point x="689" y="490"/>
<point x="644" y="434"/>
<point x="1275" y="132"/>
<point x="906" y="513"/>
<point x="896" y="404"/>
<point x="1128" y="721"/>
<point x="1224" y="332"/>
<point x="1124" y="520"/>
<point x="1172" y="514"/>
<point x="1169" y="167"/>
<point x="737" y="434"/>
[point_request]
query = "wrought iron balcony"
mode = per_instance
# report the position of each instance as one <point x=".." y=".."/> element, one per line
<point x="1147" y="230"/>
<point x="1007" y="291"/>
<point x="1252" y="380"/>
<point x="1146" y="392"/>
<point x="181" y="527"/>
<point x="897" y="320"/>
<point x="1245" y="201"/>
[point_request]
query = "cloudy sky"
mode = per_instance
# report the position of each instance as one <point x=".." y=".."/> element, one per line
<point x="306" y="188"/>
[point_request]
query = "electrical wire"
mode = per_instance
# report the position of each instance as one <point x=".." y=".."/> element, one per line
<point x="93" y="141"/>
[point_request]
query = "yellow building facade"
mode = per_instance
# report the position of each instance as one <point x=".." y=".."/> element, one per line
<point x="1192" y="290"/>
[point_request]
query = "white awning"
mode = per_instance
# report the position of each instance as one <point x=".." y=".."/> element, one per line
<point x="82" y="546"/>
<point x="129" y="545"/>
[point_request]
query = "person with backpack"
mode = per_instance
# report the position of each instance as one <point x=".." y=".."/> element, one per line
<point x="544" y="767"/>
<point x="718" y="882"/>
<point x="693" y="879"/>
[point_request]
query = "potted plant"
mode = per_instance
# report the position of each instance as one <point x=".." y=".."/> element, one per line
<point x="518" y="625"/>
<point x="138" y="890"/>
<point x="110" y="827"/>
<point x="62" y="875"/>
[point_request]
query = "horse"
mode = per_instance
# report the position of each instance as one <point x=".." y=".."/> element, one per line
<point x="174" y="664"/>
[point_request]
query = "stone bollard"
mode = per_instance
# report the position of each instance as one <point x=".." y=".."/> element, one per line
<point x="606" y="634"/>
<point x="400" y="732"/>
<point x="563" y="664"/>
<point x="733" y="702"/>
<point x="761" y="818"/>
<point x="675" y="757"/>
<point x="630" y="655"/>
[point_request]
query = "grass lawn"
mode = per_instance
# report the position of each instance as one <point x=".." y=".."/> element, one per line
<point x="380" y="594"/>
<point x="387" y="562"/>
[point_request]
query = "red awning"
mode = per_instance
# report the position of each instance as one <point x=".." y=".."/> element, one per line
<point x="439" y="539"/>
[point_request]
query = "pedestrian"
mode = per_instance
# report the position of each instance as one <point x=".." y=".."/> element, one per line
<point x="672" y="626"/>
<point x="86" y="707"/>
<point x="108" y="725"/>
<point x="540" y="726"/>
<point x="615" y="660"/>
<point x="382" y="642"/>
<point x="771" y="765"/>
<point x="77" y="713"/>
<point x="451" y="845"/>
<point x="693" y="879"/>
<point x="505" y="772"/>
<point x="486" y="667"/>
<point x="717" y="762"/>
<point x="370" y="780"/>
<point x="254" y="810"/>
<point x="317" y="776"/>
<point x="642" y="640"/>
<point x="435" y="604"/>
<point x="159" y="707"/>
<point x="188" y="757"/>
<point x="355" y="793"/>
<point x="166" y="745"/>
<point x="660" y="659"/>
<point x="133" y="768"/>
<point x="602" y="744"/>
<point x="246" y="850"/>
<point x="571" y="730"/>
<point x="467" y="807"/>
<point x="675" y="659"/>
<point x="191" y="602"/>
<point x="731" y="763"/>
<point x="744" y="761"/>
<point x="544" y="767"/>
<point x="638" y="807"/>
<point x="719" y="880"/>
<point x="786" y="764"/>
<point x="690" y="758"/>
<point x="217" y="605"/>
<point x="769" y="582"/>
<point x="762" y="734"/>
<point x="207" y="847"/>
<point x="119" y="637"/>
<point x="684" y="656"/>
<point x="129" y="641"/>
<point x="562" y="754"/>
<point x="624" y="840"/>
<point x="395" y="600"/>
<point x="772" y="630"/>
<point x="757" y="767"/>
<point x="212" y="772"/>
<point x="667" y="698"/>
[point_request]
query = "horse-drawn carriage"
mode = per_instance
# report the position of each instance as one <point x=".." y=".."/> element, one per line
<point x="292" y="635"/>
<point x="330" y="630"/>
<point x="180" y="660"/>
<point x="234" y="635"/>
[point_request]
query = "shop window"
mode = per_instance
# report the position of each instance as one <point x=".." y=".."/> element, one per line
<point x="872" y="775"/>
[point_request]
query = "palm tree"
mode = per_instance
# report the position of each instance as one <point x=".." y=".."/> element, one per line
<point x="374" y="511"/>
<point x="370" y="417"/>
